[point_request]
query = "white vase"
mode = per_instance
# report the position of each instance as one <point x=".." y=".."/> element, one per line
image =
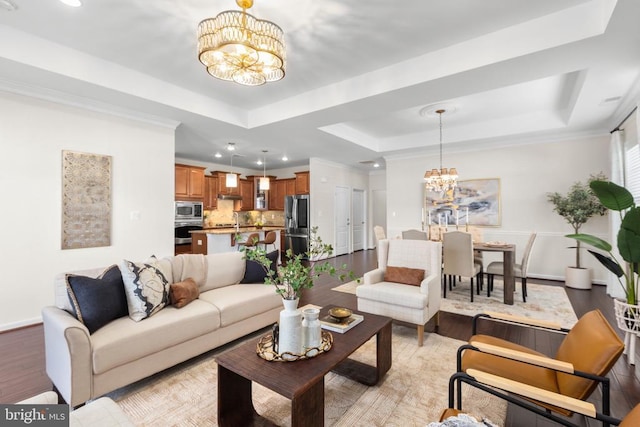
<point x="311" y="330"/>
<point x="290" y="335"/>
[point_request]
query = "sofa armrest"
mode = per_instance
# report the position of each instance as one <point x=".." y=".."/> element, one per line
<point x="373" y="276"/>
<point x="68" y="355"/>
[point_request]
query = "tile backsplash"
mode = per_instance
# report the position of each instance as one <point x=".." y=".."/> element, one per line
<point x="224" y="215"/>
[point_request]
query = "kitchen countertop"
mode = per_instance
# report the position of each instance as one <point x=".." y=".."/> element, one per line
<point x="232" y="230"/>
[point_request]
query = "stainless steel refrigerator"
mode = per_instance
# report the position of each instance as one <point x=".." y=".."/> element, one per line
<point x="296" y="222"/>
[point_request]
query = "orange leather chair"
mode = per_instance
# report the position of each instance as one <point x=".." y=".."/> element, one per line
<point x="632" y="419"/>
<point x="544" y="385"/>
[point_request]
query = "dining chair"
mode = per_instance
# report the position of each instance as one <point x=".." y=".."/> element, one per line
<point x="520" y="270"/>
<point x="378" y="231"/>
<point x="458" y="259"/>
<point x="414" y="235"/>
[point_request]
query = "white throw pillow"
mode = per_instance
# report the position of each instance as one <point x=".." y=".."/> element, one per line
<point x="146" y="285"/>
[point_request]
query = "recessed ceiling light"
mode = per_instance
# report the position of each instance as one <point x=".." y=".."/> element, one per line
<point x="376" y="165"/>
<point x="218" y="155"/>
<point x="231" y="146"/>
<point x="259" y="162"/>
<point x="72" y="3"/>
<point x="285" y="158"/>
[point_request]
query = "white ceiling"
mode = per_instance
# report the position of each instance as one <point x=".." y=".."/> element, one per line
<point x="358" y="73"/>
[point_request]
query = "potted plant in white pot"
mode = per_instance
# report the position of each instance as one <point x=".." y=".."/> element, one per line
<point x="291" y="278"/>
<point x="576" y="207"/>
<point x="619" y="199"/>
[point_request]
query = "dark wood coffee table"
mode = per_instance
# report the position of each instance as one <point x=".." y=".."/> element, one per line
<point x="301" y="381"/>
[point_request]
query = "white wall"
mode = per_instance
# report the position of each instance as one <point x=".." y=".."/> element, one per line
<point x="324" y="176"/>
<point x="377" y="203"/>
<point x="527" y="174"/>
<point x="33" y="135"/>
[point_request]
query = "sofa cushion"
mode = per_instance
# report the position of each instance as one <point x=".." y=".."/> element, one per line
<point x="97" y="301"/>
<point x="255" y="272"/>
<point x="239" y="302"/>
<point x="223" y="269"/>
<point x="146" y="286"/>
<point x="124" y="340"/>
<point x="182" y="293"/>
<point x="405" y="275"/>
<point x="393" y="293"/>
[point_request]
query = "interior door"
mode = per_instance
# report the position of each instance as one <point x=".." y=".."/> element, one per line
<point x="342" y="221"/>
<point x="358" y="222"/>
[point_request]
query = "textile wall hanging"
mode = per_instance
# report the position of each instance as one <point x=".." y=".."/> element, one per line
<point x="86" y="200"/>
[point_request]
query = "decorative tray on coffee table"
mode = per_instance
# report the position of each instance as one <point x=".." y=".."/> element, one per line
<point x="264" y="349"/>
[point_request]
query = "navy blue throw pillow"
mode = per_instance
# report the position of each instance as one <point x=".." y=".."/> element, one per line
<point x="255" y="273"/>
<point x="98" y="301"/>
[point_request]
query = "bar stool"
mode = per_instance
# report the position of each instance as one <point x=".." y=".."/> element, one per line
<point x="269" y="239"/>
<point x="252" y="240"/>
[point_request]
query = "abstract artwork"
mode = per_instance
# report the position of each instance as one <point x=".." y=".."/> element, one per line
<point x="474" y="202"/>
<point x="86" y="200"/>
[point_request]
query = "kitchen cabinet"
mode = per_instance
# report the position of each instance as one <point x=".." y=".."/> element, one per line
<point x="276" y="195"/>
<point x="210" y="192"/>
<point x="246" y="192"/>
<point x="290" y="187"/>
<point x="182" y="249"/>
<point x="302" y="182"/>
<point x="222" y="184"/>
<point x="189" y="182"/>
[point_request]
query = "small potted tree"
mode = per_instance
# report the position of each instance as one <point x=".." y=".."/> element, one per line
<point x="576" y="207"/>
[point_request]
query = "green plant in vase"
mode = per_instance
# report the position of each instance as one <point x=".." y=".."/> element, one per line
<point x="296" y="273"/>
<point x="618" y="199"/>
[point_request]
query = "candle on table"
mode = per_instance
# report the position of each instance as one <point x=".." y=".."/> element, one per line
<point x="457" y="217"/>
<point x="429" y="213"/>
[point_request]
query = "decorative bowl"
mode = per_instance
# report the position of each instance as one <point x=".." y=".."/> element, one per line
<point x="340" y="313"/>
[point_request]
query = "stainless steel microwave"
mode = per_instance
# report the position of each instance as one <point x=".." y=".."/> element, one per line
<point x="188" y="211"/>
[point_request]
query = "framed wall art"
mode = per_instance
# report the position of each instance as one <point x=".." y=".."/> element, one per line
<point x="474" y="202"/>
<point x="86" y="200"/>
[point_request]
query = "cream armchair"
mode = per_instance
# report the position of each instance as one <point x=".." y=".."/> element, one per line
<point x="415" y="304"/>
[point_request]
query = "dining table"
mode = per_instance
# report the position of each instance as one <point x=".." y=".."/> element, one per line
<point x="508" y="258"/>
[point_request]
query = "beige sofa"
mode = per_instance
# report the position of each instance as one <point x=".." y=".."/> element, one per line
<point x="84" y="366"/>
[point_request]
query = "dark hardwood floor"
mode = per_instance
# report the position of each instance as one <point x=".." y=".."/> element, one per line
<point x="22" y="368"/>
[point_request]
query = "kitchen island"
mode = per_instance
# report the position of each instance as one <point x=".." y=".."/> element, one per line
<point x="216" y="240"/>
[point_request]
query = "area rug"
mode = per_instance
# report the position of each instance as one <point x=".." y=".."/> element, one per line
<point x="543" y="301"/>
<point x="413" y="393"/>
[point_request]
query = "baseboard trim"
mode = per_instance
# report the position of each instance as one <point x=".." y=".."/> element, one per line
<point x="21" y="324"/>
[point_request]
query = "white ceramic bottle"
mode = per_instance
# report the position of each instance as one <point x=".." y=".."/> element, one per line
<point x="290" y="336"/>
<point x="311" y="330"/>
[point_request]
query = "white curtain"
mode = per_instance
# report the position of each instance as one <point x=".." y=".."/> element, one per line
<point x="617" y="176"/>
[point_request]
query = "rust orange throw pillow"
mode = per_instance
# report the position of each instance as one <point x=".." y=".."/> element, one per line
<point x="408" y="276"/>
<point x="182" y="293"/>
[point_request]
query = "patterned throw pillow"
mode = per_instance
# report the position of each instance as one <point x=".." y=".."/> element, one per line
<point x="146" y="286"/>
<point x="405" y="275"/>
<point x="97" y="301"/>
